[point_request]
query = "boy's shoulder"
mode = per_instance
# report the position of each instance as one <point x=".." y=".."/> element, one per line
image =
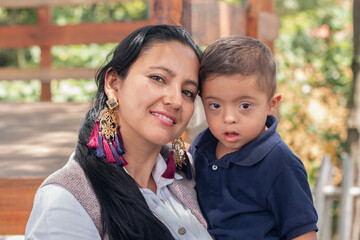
<point x="204" y="137"/>
<point x="282" y="154"/>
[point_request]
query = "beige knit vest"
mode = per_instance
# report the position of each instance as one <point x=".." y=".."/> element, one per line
<point x="73" y="178"/>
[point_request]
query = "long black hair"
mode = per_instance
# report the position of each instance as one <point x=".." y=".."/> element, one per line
<point x="124" y="212"/>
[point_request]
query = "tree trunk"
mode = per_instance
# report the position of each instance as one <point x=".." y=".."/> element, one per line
<point x="353" y="141"/>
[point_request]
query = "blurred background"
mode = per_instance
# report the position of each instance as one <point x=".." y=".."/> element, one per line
<point x="312" y="40"/>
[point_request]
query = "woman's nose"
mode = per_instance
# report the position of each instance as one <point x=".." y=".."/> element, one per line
<point x="173" y="97"/>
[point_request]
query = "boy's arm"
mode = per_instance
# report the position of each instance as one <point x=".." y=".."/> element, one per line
<point x="307" y="236"/>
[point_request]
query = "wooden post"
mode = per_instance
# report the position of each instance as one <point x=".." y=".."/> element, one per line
<point x="208" y="20"/>
<point x="346" y="200"/>
<point x="168" y="12"/>
<point x="325" y="178"/>
<point x="262" y="23"/>
<point x="44" y="19"/>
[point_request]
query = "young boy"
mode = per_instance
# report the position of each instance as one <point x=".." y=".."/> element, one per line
<point x="250" y="185"/>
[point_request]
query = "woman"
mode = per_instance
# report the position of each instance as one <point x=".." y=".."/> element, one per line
<point x="118" y="185"/>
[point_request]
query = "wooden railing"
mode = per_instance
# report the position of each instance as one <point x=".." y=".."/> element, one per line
<point x="206" y="20"/>
<point x="327" y="194"/>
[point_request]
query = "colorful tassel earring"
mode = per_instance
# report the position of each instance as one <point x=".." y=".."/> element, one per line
<point x="178" y="159"/>
<point x="105" y="136"/>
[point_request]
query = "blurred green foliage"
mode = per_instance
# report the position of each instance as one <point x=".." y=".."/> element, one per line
<point x="314" y="52"/>
<point x="101" y="12"/>
<point x="18" y="16"/>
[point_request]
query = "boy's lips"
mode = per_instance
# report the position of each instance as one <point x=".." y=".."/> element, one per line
<point x="231" y="136"/>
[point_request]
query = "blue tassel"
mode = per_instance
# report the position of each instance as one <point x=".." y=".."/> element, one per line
<point x="119" y="146"/>
<point x="116" y="156"/>
<point x="100" y="149"/>
<point x="187" y="168"/>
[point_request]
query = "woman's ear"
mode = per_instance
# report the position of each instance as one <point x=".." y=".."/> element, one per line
<point x="111" y="85"/>
<point x="274" y="104"/>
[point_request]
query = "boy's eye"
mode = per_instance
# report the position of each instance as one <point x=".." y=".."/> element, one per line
<point x="157" y="78"/>
<point x="245" y="106"/>
<point x="214" y="105"/>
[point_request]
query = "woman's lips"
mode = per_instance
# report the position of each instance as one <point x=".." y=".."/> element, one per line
<point x="165" y="118"/>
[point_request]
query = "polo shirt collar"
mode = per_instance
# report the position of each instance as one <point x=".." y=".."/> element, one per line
<point x="251" y="153"/>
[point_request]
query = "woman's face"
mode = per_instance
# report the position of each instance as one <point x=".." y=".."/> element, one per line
<point x="156" y="100"/>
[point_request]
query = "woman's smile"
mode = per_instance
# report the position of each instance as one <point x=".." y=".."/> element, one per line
<point x="165" y="118"/>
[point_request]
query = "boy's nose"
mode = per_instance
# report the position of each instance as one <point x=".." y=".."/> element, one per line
<point x="230" y="116"/>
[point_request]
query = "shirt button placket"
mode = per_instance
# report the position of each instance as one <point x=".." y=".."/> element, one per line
<point x="213" y="177"/>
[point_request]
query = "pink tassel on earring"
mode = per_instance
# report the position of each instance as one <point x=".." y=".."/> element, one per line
<point x="108" y="153"/>
<point x="93" y="142"/>
<point x="123" y="160"/>
<point x="170" y="168"/>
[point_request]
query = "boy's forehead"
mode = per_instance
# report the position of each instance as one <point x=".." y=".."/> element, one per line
<point x="231" y="80"/>
<point x="232" y="77"/>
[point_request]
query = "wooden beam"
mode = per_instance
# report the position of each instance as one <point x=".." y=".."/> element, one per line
<point x="40" y="3"/>
<point x="262" y="23"/>
<point x="46" y="74"/>
<point x="86" y="33"/>
<point x="168" y="12"/>
<point x="16" y="202"/>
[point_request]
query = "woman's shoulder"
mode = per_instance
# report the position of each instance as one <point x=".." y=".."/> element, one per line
<point x="69" y="175"/>
<point x="56" y="210"/>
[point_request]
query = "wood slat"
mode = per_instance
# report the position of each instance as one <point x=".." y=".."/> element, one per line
<point x="16" y="200"/>
<point x="86" y="33"/>
<point x="46" y="74"/>
<point x="39" y="3"/>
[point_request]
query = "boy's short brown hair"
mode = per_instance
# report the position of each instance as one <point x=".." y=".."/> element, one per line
<point x="241" y="55"/>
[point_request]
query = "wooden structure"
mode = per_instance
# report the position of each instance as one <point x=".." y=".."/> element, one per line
<point x="326" y="194"/>
<point x="206" y="20"/>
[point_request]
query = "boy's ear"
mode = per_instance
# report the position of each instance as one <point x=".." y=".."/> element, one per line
<point x="274" y="104"/>
<point x="111" y="84"/>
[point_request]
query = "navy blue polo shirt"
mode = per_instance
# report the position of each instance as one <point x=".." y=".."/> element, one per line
<point x="258" y="192"/>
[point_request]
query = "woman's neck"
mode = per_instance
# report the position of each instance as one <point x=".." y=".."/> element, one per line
<point x="141" y="159"/>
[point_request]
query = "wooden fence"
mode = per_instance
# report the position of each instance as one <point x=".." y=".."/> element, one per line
<point x="329" y="198"/>
<point x="206" y="20"/>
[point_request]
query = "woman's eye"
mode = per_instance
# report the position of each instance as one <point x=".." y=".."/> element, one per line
<point x="245" y="106"/>
<point x="214" y="105"/>
<point x="157" y="78"/>
<point x="189" y="94"/>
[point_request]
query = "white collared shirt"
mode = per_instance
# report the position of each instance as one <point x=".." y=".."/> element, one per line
<point x="57" y="214"/>
<point x="170" y="211"/>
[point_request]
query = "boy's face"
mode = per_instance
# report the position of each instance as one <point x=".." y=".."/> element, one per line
<point x="236" y="110"/>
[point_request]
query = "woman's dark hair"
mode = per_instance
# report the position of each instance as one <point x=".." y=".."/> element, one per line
<point x="124" y="212"/>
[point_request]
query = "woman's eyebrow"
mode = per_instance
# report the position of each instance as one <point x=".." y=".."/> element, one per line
<point x="192" y="82"/>
<point x="172" y="74"/>
<point x="165" y="69"/>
